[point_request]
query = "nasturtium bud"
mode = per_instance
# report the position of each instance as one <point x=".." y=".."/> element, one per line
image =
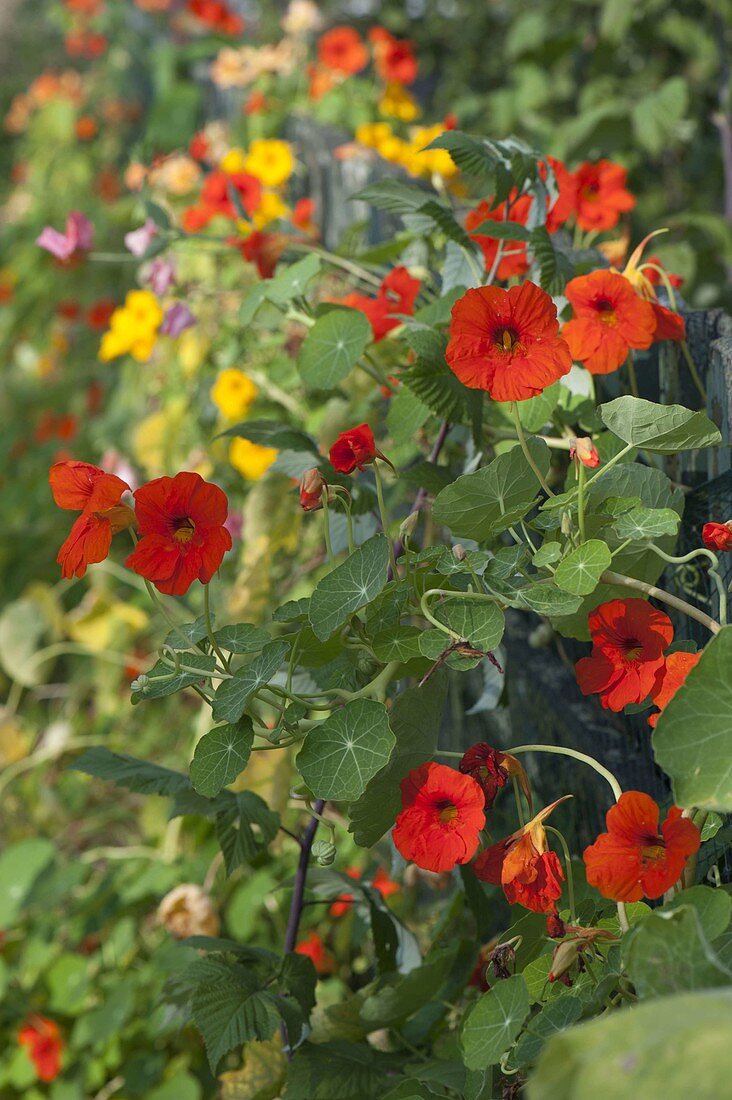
<point x="324" y="852"/>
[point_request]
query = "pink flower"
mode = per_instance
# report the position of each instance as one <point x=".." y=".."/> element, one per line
<point x="139" y="240"/>
<point x="177" y="319"/>
<point x="160" y="276"/>
<point x="77" y="237"/>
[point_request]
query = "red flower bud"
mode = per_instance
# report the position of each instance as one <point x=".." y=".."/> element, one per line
<point x="312" y="484"/>
<point x="717" y="536"/>
<point x="584" y="450"/>
<point x="353" y="450"/>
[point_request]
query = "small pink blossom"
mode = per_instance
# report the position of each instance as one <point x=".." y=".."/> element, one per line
<point x="177" y="319"/>
<point x="78" y="237"/>
<point x="160" y="275"/>
<point x="139" y="240"/>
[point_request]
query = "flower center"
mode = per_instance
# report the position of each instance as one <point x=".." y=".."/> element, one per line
<point x="653" y="852"/>
<point x="507" y="339"/>
<point x="590" y="192"/>
<point x="606" y="310"/>
<point x="631" y="649"/>
<point x="447" y="812"/>
<point x="184" y="530"/>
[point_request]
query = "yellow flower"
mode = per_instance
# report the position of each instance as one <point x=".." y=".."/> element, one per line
<point x="398" y="103"/>
<point x="270" y="208"/>
<point x="270" y="160"/>
<point x="133" y="328"/>
<point x="251" y="459"/>
<point x="233" y="393"/>
<point x="437" y="162"/>
<point x="371" y="134"/>
<point x="233" y="161"/>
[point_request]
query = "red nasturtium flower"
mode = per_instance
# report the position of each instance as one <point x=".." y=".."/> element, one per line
<point x="669" y="324"/>
<point x="353" y="450"/>
<point x="601" y="195"/>
<point x="441" y="817"/>
<point x="314" y="949"/>
<point x="45" y="1046"/>
<point x="182" y="534"/>
<point x="635" y="859"/>
<point x="342" y="50"/>
<point x="523" y="864"/>
<point x="672" y="676"/>
<point x="506" y="342"/>
<point x="261" y="249"/>
<point x="565" y="204"/>
<point x="216" y="198"/>
<point x="393" y="57"/>
<point x="609" y="320"/>
<point x="515" y="261"/>
<point x="397" y="295"/>
<point x="492" y="769"/>
<point x="81" y="487"/>
<point x="380" y="882"/>
<point x="628" y="641"/>
<point x="99" y="312"/>
<point x="312" y="484"/>
<point x="216" y="15"/>
<point x="717" y="536"/>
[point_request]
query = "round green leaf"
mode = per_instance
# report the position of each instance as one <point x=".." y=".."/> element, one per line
<point x="580" y="572"/>
<point x="220" y="756"/>
<point x="332" y="347"/>
<point x="342" y="754"/>
<point x="494" y="1022"/>
<point x="478" y="622"/>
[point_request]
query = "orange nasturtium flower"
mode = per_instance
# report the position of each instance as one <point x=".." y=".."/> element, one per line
<point x="506" y="342"/>
<point x="677" y="667"/>
<point x="609" y="320"/>
<point x="42" y="1038"/>
<point x="181" y="523"/>
<point x="634" y="859"/>
<point x="524" y="865"/>
<point x="342" y="50"/>
<point x="717" y="536"/>
<point x="601" y="195"/>
<point x="441" y="818"/>
<point x="514" y="259"/>
<point x="669" y="324"/>
<point x="81" y="487"/>
<point x="397" y="295"/>
<point x="628" y="642"/>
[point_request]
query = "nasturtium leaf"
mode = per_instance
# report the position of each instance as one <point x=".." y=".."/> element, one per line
<point x="241" y="638"/>
<point x="536" y="411"/>
<point x="646" y="523"/>
<point x="220" y="756"/>
<point x="676" y="1047"/>
<point x="404" y="995"/>
<point x="711" y="826"/>
<point x="669" y="953"/>
<point x="555" y="1016"/>
<point x="580" y="572"/>
<point x="713" y="908"/>
<point x="493" y="1023"/>
<point x="545" y="599"/>
<point x="351" y="585"/>
<point x="397" y="643"/>
<point x="693" y="739"/>
<point x="163" y="680"/>
<point x="663" y="429"/>
<point x="488" y="501"/>
<point x="547" y="553"/>
<point x="233" y="695"/>
<point x="433" y="643"/>
<point x="415" y="719"/>
<point x="20" y="865"/>
<point x="185" y="635"/>
<point x="480" y="622"/>
<point x="332" y="347"/>
<point x="345" y="751"/>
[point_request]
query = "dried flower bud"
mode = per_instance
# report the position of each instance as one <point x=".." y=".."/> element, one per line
<point x="324" y="852"/>
<point x="564" y="958"/>
<point x="312" y="484"/>
<point x="408" y="525"/>
<point x="584" y="450"/>
<point x="459" y="552"/>
<point x="188" y="911"/>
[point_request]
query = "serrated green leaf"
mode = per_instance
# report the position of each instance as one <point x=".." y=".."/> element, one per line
<point x="663" y="429"/>
<point x="232" y="1010"/>
<point x="492" y="1025"/>
<point x="140" y="776"/>
<point x="406" y="415"/>
<point x="392" y="195"/>
<point x="332" y="347"/>
<point x="351" y="585"/>
<point x="237" y="838"/>
<point x="273" y="433"/>
<point x="580" y="571"/>
<point x="233" y="695"/>
<point x="220" y="756"/>
<point x="341" y="755"/>
<point x="692" y="741"/>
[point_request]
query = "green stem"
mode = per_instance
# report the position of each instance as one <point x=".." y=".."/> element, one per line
<point x="209" y="626"/>
<point x="581" y="499"/>
<point x="612" y="462"/>
<point x="609" y="577"/>
<point x="423" y="603"/>
<point x="517" y="796"/>
<point x="326" y="526"/>
<point x="383" y="515"/>
<point x="525" y="448"/>
<point x="701" y="552"/>
<point x="568" y="869"/>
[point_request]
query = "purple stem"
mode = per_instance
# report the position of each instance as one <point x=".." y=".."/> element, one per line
<point x="298" y="891"/>
<point x="421" y="496"/>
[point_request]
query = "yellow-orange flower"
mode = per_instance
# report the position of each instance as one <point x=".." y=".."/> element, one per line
<point x="270" y="160"/>
<point x="397" y="102"/>
<point x="252" y="460"/>
<point x="133" y="328"/>
<point x="233" y="393"/>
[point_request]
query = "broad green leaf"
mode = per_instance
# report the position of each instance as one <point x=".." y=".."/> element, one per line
<point x="713" y="908"/>
<point x="548" y="553"/>
<point x="669" y="953"/>
<point x="656" y="116"/>
<point x="220" y="756"/>
<point x="242" y="638"/>
<point x="646" y="523"/>
<point x="402" y="996"/>
<point x="232" y="1010"/>
<point x="535" y="411"/>
<point x="290" y="283"/>
<point x="339" y="1070"/>
<point x="351" y="585"/>
<point x="663" y="429"/>
<point x="479" y="622"/>
<point x="406" y="415"/>
<point x="163" y="681"/>
<point x="140" y="776"/>
<point x="20" y="866"/>
<point x="415" y="719"/>
<point x="233" y="695"/>
<point x="332" y="347"/>
<point x="238" y="840"/>
<point x="433" y="643"/>
<point x="341" y="755"/>
<point x="492" y="1025"/>
<point x="397" y="644"/>
<point x="554" y="1016"/>
<point x="693" y="739"/>
<point x="482" y="504"/>
<point x="580" y="572"/>
<point x="672" y="1047"/>
<point x="545" y="599"/>
<point x="262" y="1074"/>
<point x="554" y="267"/>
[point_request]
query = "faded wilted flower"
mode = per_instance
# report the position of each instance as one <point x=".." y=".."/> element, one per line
<point x="187" y="910"/>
